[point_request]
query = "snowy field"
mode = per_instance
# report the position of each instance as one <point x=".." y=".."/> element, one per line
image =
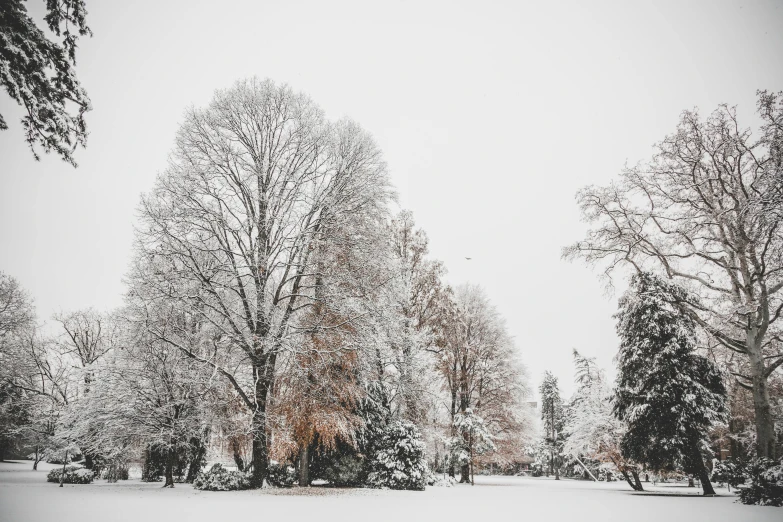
<point x="25" y="496"/>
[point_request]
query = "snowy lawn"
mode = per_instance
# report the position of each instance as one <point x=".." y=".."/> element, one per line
<point x="25" y="496"/>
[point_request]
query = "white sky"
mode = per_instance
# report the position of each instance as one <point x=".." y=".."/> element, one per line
<point x="491" y="116"/>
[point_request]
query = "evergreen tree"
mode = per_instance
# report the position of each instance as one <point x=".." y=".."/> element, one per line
<point x="38" y="73"/>
<point x="553" y="417"/>
<point x="667" y="393"/>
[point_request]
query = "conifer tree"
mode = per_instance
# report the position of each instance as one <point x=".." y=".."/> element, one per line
<point x="667" y="393"/>
<point x="553" y="417"/>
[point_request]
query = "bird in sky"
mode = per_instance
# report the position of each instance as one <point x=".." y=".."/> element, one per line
<point x="468" y="258"/>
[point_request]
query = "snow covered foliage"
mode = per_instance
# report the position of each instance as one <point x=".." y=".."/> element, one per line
<point x="553" y="417"/>
<point x="760" y="480"/>
<point x="473" y="439"/>
<point x="592" y="432"/>
<point x="398" y="462"/>
<point x="345" y="470"/>
<point x="729" y="472"/>
<point x="480" y="370"/>
<point x="281" y="475"/>
<point x="667" y="393"/>
<point x="591" y="429"/>
<point x="706" y="212"/>
<point x="73" y="475"/>
<point x="38" y="73"/>
<point x="219" y="478"/>
<point x="262" y="278"/>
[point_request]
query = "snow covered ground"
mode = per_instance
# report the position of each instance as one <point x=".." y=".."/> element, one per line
<point x="25" y="496"/>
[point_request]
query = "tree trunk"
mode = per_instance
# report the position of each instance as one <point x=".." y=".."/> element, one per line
<point x="3" y="444"/>
<point x="36" y="459"/>
<point x="472" y="483"/>
<point x="554" y="443"/>
<point x="237" y="457"/>
<point x="701" y="470"/>
<point x="452" y="473"/>
<point x="634" y="485"/>
<point x="195" y="463"/>
<point x="635" y="475"/>
<point x="62" y="475"/>
<point x="304" y="466"/>
<point x="260" y="451"/>
<point x="170" y="454"/>
<point x="464" y="473"/>
<point x="89" y="462"/>
<point x="765" y="424"/>
<point x="550" y="470"/>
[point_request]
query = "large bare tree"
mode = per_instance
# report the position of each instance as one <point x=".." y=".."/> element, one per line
<point x="232" y="232"/>
<point x="703" y="213"/>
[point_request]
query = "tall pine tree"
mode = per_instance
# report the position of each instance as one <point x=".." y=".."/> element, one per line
<point x="667" y="393"/>
<point x="552" y="415"/>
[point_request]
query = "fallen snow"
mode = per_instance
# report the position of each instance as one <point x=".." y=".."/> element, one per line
<point x="25" y="496"/>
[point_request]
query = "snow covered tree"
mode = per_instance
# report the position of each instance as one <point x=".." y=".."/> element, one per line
<point x="473" y="438"/>
<point x="258" y="182"/>
<point x="16" y="307"/>
<point x="146" y="394"/>
<point x="16" y="319"/>
<point x="44" y="386"/>
<point x="591" y="429"/>
<point x="398" y="460"/>
<point x="587" y="373"/>
<point x="87" y="335"/>
<point x="36" y="377"/>
<point x="552" y="415"/>
<point x="316" y="399"/>
<point x="707" y="211"/>
<point x="418" y="297"/>
<point x="668" y="394"/>
<point x="38" y="74"/>
<point x="481" y="370"/>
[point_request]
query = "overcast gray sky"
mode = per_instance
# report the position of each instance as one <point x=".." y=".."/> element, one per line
<point x="491" y="115"/>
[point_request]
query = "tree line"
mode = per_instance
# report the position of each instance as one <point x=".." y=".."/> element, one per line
<point x="276" y="311"/>
<point x="698" y="229"/>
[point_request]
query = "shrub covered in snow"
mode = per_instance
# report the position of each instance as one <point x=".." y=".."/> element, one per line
<point x="766" y="483"/>
<point x="399" y="462"/>
<point x="219" y="478"/>
<point x="73" y="475"/>
<point x="729" y="472"/>
<point x="439" y="480"/>
<point x="346" y="470"/>
<point x="281" y="475"/>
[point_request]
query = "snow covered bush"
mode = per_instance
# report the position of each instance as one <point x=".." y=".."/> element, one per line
<point x="399" y="462"/>
<point x="281" y="475"/>
<point x="729" y="472"/>
<point x="440" y="480"/>
<point x="766" y="483"/>
<point x="73" y="475"/>
<point x="219" y="478"/>
<point x="346" y="470"/>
